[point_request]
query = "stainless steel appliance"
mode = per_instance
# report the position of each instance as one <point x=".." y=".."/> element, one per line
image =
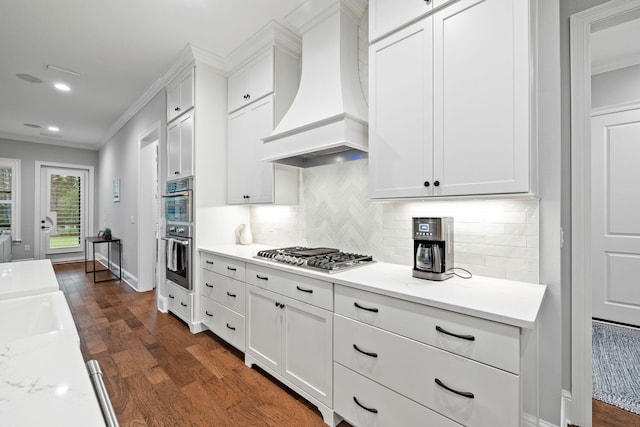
<point x="178" y="207"/>
<point x="327" y="260"/>
<point x="179" y="254"/>
<point x="433" y="248"/>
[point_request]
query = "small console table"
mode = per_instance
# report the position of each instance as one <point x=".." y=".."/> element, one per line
<point x="96" y="241"/>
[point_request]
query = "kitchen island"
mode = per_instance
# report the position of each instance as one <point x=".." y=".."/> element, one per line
<point x="374" y="345"/>
<point x="43" y="378"/>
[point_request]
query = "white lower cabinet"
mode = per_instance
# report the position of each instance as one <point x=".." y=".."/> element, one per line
<point x="180" y="301"/>
<point x="363" y="402"/>
<point x="293" y="341"/>
<point x="225" y="323"/>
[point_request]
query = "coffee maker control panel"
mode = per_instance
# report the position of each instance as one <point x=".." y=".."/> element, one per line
<point x="427" y="229"/>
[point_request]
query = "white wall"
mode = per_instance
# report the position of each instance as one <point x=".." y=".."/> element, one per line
<point x="29" y="153"/>
<point x="616" y="87"/>
<point x="119" y="159"/>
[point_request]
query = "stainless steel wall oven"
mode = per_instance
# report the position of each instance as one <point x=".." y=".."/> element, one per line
<point x="179" y="228"/>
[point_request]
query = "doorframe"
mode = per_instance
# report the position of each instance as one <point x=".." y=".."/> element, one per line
<point x="38" y="197"/>
<point x="581" y="285"/>
<point x="152" y="134"/>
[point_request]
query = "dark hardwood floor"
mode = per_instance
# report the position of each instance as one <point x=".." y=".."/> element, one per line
<point x="159" y="374"/>
<point x="605" y="415"/>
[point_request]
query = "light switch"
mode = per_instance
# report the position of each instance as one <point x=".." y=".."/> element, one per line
<point x="132" y="219"/>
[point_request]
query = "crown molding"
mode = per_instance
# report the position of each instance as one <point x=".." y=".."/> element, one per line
<point x="312" y="12"/>
<point x="48" y="141"/>
<point x="271" y="34"/>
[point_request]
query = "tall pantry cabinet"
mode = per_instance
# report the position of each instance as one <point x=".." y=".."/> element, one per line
<point x="196" y="146"/>
<point x="262" y="84"/>
<point x="450" y="99"/>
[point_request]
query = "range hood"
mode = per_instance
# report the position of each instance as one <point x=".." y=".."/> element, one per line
<point x="327" y="121"/>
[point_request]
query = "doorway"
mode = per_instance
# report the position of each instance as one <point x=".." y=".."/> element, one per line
<point x="148" y="209"/>
<point x="588" y="228"/>
<point x="64" y="210"/>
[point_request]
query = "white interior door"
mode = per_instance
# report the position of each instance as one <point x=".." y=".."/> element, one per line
<point x="63" y="210"/>
<point x="615" y="212"/>
<point x="148" y="216"/>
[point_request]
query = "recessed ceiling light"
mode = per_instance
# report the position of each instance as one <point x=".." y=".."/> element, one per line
<point x="32" y="125"/>
<point x="62" y="87"/>
<point x="28" y="78"/>
<point x="53" y="128"/>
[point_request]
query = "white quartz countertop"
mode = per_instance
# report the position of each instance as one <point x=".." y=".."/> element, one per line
<point x="24" y="278"/>
<point x="506" y="301"/>
<point x="44" y="382"/>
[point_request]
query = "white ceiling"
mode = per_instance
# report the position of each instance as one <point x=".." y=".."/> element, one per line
<point x="615" y="46"/>
<point x="120" y="48"/>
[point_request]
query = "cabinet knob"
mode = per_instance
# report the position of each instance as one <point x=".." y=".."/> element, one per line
<point x="176" y="173"/>
<point x="427" y="183"/>
<point x="436" y="183"/>
<point x="176" y="109"/>
<point x="428" y="2"/>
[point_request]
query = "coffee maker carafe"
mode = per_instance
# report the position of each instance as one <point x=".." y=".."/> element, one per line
<point x="433" y="248"/>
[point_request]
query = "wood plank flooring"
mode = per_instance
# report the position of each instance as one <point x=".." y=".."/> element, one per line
<point x="159" y="374"/>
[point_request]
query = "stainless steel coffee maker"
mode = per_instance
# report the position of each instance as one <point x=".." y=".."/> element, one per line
<point x="433" y="248"/>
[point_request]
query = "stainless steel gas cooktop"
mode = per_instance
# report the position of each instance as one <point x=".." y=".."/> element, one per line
<point x="327" y="260"/>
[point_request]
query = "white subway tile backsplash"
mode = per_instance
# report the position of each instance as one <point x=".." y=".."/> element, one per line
<point x="492" y="237"/>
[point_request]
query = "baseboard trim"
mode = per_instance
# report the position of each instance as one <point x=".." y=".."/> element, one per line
<point x="566" y="412"/>
<point x="127" y="277"/>
<point x="544" y="423"/>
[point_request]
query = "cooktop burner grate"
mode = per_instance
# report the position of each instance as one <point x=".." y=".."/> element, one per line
<point x="328" y="260"/>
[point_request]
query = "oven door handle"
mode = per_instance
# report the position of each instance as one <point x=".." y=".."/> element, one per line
<point x="180" y="194"/>
<point x="182" y="242"/>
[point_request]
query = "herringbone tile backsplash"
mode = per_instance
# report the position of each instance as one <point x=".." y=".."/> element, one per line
<point x="493" y="237"/>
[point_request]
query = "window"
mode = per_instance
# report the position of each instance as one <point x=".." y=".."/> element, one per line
<point x="10" y="197"/>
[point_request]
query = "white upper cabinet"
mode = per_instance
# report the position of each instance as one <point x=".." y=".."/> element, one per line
<point x="180" y="97"/>
<point x="252" y="82"/>
<point x="450" y="103"/>
<point x="400" y="113"/>
<point x="180" y="147"/>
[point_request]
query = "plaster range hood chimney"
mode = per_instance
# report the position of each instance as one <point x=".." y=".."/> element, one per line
<point x="327" y="121"/>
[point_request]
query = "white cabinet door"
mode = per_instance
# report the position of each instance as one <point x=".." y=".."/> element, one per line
<point x="264" y="327"/>
<point x="252" y="82"/>
<point x="186" y="145"/>
<point x="481" y="97"/>
<point x="387" y="15"/>
<point x="180" y="147"/>
<point x="180" y="95"/>
<point x="173" y="151"/>
<point x="251" y="180"/>
<point x="400" y="112"/>
<point x="308" y="349"/>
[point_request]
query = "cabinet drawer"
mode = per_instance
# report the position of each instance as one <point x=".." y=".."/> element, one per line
<point x="226" y="266"/>
<point x="223" y="290"/>
<point x="392" y="408"/>
<point x="180" y="302"/>
<point x="225" y="323"/>
<point x="483" y="340"/>
<point x="301" y="288"/>
<point x="413" y="369"/>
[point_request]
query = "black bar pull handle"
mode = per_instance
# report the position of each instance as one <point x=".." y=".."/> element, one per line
<point x="466" y="394"/>
<point x="231" y="295"/>
<point x="183" y="304"/>
<point x="209" y="262"/>
<point x="231" y="327"/>
<point x="208" y="285"/>
<point x="309" y="291"/>
<point x="368" y="353"/>
<point x="261" y="277"/>
<point x="373" y="310"/>
<point x="231" y="268"/>
<point x="208" y="314"/>
<point x="462" y="337"/>
<point x="171" y="296"/>
<point x="372" y="410"/>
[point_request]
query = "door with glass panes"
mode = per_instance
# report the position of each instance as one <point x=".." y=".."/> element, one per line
<point x="63" y="210"/>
